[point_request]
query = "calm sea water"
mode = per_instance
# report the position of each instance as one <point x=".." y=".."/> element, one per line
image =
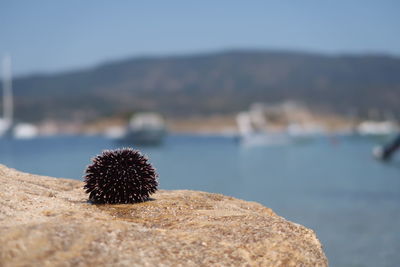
<point x="335" y="188"/>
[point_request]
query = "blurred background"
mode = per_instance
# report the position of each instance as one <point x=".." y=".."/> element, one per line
<point x="293" y="104"/>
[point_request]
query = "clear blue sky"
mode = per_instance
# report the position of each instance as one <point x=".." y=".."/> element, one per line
<point x="51" y="36"/>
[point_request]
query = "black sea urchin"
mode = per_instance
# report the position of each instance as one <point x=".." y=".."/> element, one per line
<point x="120" y="176"/>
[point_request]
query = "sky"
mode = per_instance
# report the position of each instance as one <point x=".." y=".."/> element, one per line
<point x="48" y="36"/>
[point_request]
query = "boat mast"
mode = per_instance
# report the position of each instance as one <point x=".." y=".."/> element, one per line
<point x="7" y="91"/>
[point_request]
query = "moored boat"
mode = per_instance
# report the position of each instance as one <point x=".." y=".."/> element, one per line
<point x="146" y="128"/>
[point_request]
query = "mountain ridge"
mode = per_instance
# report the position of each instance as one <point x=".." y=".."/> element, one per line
<point x="208" y="83"/>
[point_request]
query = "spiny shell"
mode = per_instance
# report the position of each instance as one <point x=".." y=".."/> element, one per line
<point x="120" y="176"/>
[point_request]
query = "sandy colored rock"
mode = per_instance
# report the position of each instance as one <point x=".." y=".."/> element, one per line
<point x="47" y="222"/>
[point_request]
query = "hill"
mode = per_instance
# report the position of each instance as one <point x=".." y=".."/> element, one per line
<point x="222" y="83"/>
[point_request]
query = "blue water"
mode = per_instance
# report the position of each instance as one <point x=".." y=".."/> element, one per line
<point x="335" y="188"/>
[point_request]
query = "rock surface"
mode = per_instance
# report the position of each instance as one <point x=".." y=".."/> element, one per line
<point x="47" y="222"/>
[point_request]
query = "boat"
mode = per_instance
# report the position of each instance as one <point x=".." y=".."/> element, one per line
<point x="7" y="127"/>
<point x="6" y="121"/>
<point x="256" y="126"/>
<point x="25" y="131"/>
<point x="146" y="128"/>
<point x="251" y="134"/>
<point x="378" y="128"/>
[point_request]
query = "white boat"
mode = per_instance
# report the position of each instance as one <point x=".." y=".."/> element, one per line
<point x="251" y="135"/>
<point x="7" y="127"/>
<point x="6" y="121"/>
<point x="255" y="129"/>
<point x="24" y="131"/>
<point x="145" y="128"/>
<point x="377" y="128"/>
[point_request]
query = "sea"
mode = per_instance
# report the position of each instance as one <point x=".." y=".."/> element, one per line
<point x="331" y="184"/>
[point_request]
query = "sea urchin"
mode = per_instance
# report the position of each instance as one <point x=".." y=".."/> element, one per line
<point x="120" y="176"/>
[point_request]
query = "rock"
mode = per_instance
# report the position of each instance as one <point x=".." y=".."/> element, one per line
<point x="47" y="222"/>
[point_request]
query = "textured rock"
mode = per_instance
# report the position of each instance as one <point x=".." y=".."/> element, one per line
<point x="48" y="222"/>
